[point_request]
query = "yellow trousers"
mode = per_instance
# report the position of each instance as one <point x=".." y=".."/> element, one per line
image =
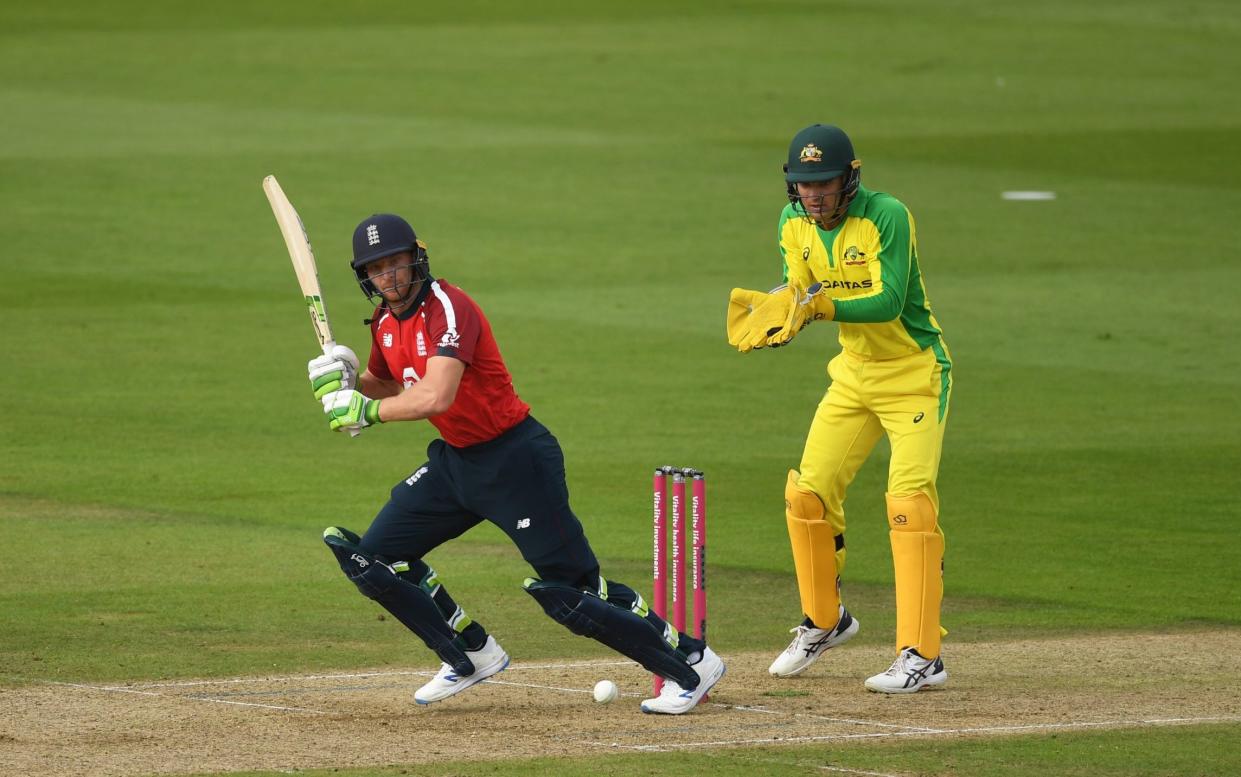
<point x="905" y="398"/>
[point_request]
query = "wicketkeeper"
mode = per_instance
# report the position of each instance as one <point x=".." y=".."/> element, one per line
<point x="851" y="256"/>
<point x="433" y="357"/>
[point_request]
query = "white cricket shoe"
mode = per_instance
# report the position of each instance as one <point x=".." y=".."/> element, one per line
<point x="488" y="660"/>
<point x="673" y="700"/>
<point x="809" y="643"/>
<point x="909" y="673"/>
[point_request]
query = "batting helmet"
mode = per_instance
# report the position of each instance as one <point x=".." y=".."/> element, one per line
<point x="385" y="234"/>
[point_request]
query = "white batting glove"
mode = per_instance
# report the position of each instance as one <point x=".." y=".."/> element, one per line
<point x="333" y="371"/>
<point x="350" y="410"/>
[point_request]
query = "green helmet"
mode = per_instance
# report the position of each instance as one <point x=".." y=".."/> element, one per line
<point x="822" y="152"/>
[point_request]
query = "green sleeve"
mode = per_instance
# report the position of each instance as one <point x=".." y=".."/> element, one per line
<point x="887" y="300"/>
<point x="784" y="216"/>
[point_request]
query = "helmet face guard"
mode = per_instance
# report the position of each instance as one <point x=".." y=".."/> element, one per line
<point x="844" y="198"/>
<point x="419" y="271"/>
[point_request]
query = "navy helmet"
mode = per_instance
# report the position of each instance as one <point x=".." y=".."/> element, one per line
<point x="385" y="234"/>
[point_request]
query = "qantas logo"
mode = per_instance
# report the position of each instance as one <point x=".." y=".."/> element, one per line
<point x="866" y="284"/>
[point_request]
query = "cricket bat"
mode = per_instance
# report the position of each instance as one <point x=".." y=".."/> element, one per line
<point x="303" y="257"/>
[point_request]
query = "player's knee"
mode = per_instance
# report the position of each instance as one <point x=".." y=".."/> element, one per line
<point x="801" y="503"/>
<point x="911" y="512"/>
<point x="564" y="604"/>
<point x="373" y="578"/>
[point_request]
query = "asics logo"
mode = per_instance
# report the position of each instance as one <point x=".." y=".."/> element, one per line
<point x="815" y="647"/>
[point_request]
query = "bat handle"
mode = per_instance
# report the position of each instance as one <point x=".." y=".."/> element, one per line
<point x="328" y="345"/>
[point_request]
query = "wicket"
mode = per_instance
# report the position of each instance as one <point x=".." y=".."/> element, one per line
<point x="661" y="551"/>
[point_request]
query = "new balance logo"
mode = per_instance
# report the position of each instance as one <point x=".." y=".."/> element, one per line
<point x="524" y="523"/>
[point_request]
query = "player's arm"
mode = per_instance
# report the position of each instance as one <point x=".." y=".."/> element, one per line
<point x="430" y="396"/>
<point x="374" y="386"/>
<point x="889" y="276"/>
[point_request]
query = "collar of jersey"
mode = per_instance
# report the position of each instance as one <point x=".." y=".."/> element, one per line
<point x="418" y="300"/>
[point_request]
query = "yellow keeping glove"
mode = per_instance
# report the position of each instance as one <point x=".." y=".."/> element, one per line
<point x="741" y="302"/>
<point x="754" y="316"/>
<point x="811" y="305"/>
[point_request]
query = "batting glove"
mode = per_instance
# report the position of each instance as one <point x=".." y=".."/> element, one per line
<point x="336" y="370"/>
<point x="350" y="410"/>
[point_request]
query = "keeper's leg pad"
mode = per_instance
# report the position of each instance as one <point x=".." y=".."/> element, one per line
<point x="583" y="612"/>
<point x="407" y="602"/>
<point x="814" y="553"/>
<point x="917" y="559"/>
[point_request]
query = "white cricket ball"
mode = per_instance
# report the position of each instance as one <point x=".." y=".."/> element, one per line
<point x="606" y="691"/>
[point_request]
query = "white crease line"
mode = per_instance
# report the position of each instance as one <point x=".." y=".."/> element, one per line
<point x="190" y="698"/>
<point x="842" y="770"/>
<point x="811" y="716"/>
<point x="491" y="681"/>
<point x="937" y="732"/>
<point x="356" y="676"/>
<point x="494" y="681"/>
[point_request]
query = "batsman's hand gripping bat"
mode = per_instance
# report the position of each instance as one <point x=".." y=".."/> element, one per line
<point x="298" y="243"/>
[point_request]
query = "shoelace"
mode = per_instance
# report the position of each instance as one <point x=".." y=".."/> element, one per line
<point x="795" y="645"/>
<point x="898" y="666"/>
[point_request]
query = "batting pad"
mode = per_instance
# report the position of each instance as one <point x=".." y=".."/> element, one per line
<point x="918" y="560"/>
<point x="814" y="553"/>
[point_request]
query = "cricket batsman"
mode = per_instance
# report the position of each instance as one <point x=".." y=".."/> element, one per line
<point x="851" y="256"/>
<point x="433" y="357"/>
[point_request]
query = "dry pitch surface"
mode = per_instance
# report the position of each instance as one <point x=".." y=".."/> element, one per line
<point x="359" y="718"/>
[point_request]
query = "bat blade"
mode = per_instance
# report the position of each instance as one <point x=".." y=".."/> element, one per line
<point x="303" y="257"/>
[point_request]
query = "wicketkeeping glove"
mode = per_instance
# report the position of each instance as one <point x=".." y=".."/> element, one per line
<point x="811" y="305"/>
<point x="741" y="304"/>
<point x="754" y="316"/>
<point x="350" y="410"/>
<point x="334" y="371"/>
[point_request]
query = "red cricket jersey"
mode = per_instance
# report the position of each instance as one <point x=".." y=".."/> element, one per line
<point x="449" y="323"/>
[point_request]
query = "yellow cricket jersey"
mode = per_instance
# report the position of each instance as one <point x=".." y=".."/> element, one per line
<point x="868" y="265"/>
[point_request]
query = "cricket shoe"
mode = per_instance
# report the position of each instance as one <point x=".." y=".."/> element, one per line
<point x="809" y="643"/>
<point x="488" y="660"/>
<point x="674" y="700"/>
<point x="909" y="673"/>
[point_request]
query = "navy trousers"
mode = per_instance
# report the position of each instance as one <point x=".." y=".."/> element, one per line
<point x="516" y="481"/>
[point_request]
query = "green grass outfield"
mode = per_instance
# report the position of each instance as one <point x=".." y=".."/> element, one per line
<point x="598" y="177"/>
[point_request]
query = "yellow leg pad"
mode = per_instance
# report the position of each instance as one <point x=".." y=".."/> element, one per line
<point x="814" y="553"/>
<point x="917" y="558"/>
